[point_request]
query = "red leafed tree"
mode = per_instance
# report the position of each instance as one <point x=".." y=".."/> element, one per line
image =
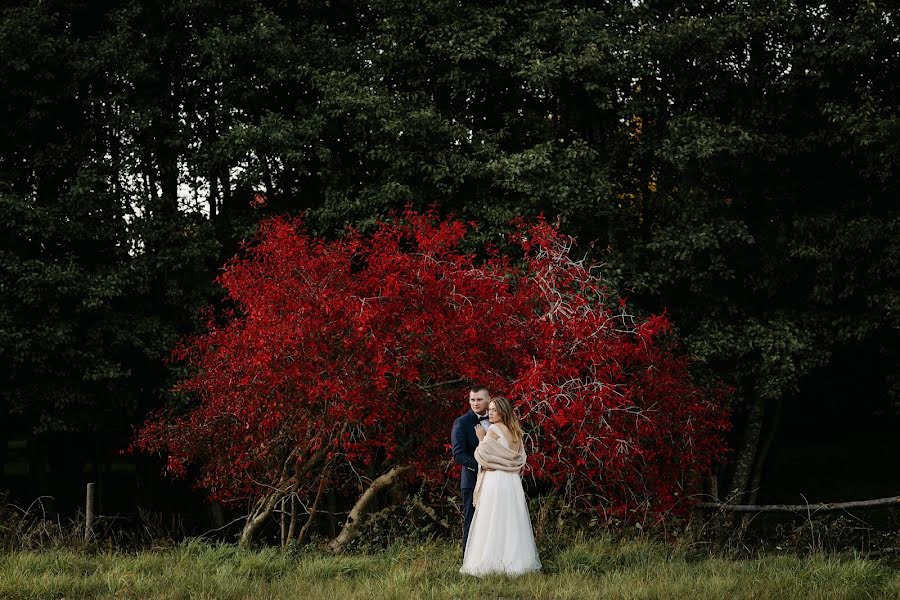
<point x="343" y="364"/>
<point x="617" y="422"/>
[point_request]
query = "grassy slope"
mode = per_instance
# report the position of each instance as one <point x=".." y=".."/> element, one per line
<point x="593" y="569"/>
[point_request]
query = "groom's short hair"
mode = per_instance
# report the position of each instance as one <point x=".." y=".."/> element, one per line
<point x="479" y="388"/>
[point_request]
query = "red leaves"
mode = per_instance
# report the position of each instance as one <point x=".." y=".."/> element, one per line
<point x="363" y="346"/>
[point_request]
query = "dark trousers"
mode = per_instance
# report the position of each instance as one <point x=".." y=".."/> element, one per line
<point x="468" y="512"/>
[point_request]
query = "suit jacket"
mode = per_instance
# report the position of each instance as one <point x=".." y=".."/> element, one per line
<point x="464" y="441"/>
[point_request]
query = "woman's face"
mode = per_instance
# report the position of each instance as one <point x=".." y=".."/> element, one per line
<point x="493" y="413"/>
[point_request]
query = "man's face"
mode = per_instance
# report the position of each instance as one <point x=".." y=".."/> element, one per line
<point x="478" y="401"/>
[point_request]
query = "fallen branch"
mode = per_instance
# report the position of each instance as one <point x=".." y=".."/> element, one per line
<point x="882" y="552"/>
<point x="820" y="506"/>
<point x="430" y="512"/>
<point x="360" y="510"/>
<point x="315" y="505"/>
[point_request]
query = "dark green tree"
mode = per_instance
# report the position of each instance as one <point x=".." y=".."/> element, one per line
<point x="735" y="162"/>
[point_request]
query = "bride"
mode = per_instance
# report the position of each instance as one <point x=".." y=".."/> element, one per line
<point x="500" y="539"/>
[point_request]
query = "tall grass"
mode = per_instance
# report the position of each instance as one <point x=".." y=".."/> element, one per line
<point x="596" y="568"/>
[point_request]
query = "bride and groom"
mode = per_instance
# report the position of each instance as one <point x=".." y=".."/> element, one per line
<point x="487" y="443"/>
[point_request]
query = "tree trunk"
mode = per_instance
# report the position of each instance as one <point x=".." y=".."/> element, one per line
<point x="760" y="463"/>
<point x="301" y="537"/>
<point x="217" y="515"/>
<point x="283" y="524"/>
<point x="332" y="504"/>
<point x="168" y="179"/>
<point x="226" y="209"/>
<point x="4" y="436"/>
<point x="115" y="145"/>
<point x="37" y="468"/>
<point x="287" y="485"/>
<point x="262" y="510"/>
<point x="360" y="510"/>
<point x="149" y="173"/>
<point x="213" y="198"/>
<point x="292" y="528"/>
<point x="267" y="176"/>
<point x="747" y="454"/>
<point x="100" y="458"/>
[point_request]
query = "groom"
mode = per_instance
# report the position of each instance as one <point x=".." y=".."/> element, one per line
<point x="464" y="441"/>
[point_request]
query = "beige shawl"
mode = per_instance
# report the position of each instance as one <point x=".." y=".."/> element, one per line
<point x="492" y="454"/>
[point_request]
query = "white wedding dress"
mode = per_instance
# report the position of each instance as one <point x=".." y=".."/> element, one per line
<point x="500" y="538"/>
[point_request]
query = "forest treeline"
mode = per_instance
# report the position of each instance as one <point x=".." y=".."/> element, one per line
<point x="734" y="163"/>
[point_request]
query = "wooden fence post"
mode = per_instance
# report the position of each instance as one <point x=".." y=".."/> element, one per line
<point x="89" y="514"/>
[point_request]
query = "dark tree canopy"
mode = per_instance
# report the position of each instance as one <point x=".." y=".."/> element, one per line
<point x="734" y="162"/>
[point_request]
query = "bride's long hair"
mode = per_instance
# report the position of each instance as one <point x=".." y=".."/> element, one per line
<point x="508" y="417"/>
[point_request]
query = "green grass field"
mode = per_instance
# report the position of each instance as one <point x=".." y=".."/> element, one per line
<point x="600" y="568"/>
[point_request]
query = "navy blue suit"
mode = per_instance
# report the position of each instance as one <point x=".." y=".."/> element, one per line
<point x="464" y="441"/>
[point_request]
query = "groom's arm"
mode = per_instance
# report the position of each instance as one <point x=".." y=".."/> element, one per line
<point x="458" y="443"/>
